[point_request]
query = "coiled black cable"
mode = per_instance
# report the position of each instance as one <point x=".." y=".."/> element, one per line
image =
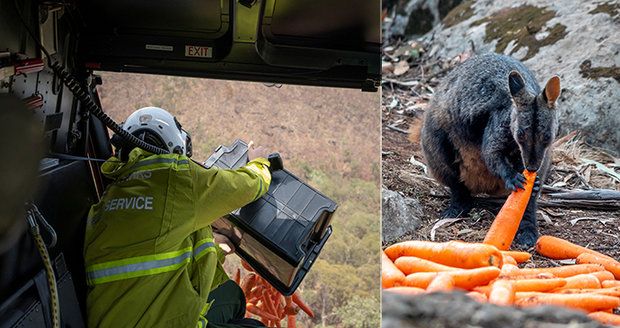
<point x="78" y="91"/>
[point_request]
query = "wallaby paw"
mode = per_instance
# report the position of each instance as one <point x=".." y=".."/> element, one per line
<point x="455" y="211"/>
<point x="527" y="237"/>
<point x="537" y="186"/>
<point x="516" y="182"/>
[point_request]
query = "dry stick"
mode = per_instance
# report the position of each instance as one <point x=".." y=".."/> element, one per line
<point x="391" y="127"/>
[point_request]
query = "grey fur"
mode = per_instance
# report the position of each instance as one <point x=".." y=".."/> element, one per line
<point x="488" y="120"/>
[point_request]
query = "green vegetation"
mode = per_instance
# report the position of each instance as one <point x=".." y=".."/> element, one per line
<point x="520" y="25"/>
<point x="586" y="70"/>
<point x="460" y="13"/>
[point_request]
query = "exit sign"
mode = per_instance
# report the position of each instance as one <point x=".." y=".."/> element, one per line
<point x="198" y="51"/>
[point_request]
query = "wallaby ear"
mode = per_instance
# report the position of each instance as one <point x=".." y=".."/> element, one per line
<point x="552" y="91"/>
<point x="515" y="83"/>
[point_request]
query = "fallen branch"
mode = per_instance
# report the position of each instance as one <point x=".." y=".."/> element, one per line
<point x="391" y="127"/>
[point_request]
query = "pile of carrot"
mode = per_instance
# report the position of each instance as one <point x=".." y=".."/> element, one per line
<point x="489" y="272"/>
<point x="266" y="303"/>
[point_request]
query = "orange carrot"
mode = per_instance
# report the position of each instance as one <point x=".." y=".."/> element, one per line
<point x="482" y="298"/>
<point x="453" y="253"/>
<point x="586" y="302"/>
<point x="246" y="266"/>
<point x="465" y="279"/>
<point x="442" y="282"/>
<point x="411" y="264"/>
<point x="291" y="322"/>
<point x="560" y="272"/>
<point x="506" y="223"/>
<point x="261" y="313"/>
<point x="406" y="290"/>
<point x="603" y="275"/>
<point x="304" y="307"/>
<point x="502" y="293"/>
<point x="606" y="318"/>
<point x="237" y="276"/>
<point x="611" y="291"/>
<point x="507" y="259"/>
<point x="610" y="283"/>
<point x="584" y="280"/>
<point x="509" y="269"/>
<point x="529" y="285"/>
<point x="268" y="304"/>
<point x="560" y="249"/>
<point x="610" y="264"/>
<point x="390" y="275"/>
<point x="520" y="257"/>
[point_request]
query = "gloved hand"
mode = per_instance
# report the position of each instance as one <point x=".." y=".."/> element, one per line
<point x="255" y="152"/>
<point x="224" y="243"/>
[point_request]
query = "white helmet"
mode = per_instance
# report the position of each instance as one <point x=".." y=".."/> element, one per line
<point x="165" y="131"/>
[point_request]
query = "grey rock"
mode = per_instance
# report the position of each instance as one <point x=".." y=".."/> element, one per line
<point x="400" y="215"/>
<point x="577" y="40"/>
<point x="456" y="310"/>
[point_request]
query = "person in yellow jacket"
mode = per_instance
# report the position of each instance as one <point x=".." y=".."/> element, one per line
<point x="151" y="257"/>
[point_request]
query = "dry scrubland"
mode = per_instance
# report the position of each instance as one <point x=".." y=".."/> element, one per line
<point x="330" y="137"/>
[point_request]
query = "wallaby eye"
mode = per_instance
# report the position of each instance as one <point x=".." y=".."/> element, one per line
<point x="520" y="133"/>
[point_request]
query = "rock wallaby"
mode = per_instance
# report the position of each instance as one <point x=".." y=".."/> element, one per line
<point x="488" y="120"/>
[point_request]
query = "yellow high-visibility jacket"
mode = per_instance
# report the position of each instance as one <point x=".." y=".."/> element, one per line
<point x="149" y="252"/>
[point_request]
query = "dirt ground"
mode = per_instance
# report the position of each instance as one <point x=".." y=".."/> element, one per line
<point x="405" y="97"/>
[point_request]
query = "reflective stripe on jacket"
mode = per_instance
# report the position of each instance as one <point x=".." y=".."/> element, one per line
<point x="150" y="257"/>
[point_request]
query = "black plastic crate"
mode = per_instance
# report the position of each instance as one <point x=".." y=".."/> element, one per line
<point x="282" y="233"/>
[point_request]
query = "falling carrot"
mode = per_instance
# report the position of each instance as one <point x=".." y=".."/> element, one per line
<point x="247" y="283"/>
<point x="453" y="253"/>
<point x="586" y="302"/>
<point x="560" y="272"/>
<point x="406" y="290"/>
<point x="261" y="313"/>
<point x="442" y="282"/>
<point x="585" y="280"/>
<point x="520" y="257"/>
<point x="506" y="223"/>
<point x="411" y="264"/>
<point x="291" y="322"/>
<point x="502" y="293"/>
<point x="606" y="318"/>
<point x="237" y="276"/>
<point x="246" y="266"/>
<point x="304" y="307"/>
<point x="608" y="263"/>
<point x="560" y="249"/>
<point x="465" y="279"/>
<point x="390" y="275"/>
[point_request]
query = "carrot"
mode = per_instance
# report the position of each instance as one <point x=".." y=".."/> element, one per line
<point x="246" y="266"/>
<point x="304" y="307"/>
<point x="465" y="279"/>
<point x="611" y="291"/>
<point x="610" y="283"/>
<point x="507" y="259"/>
<point x="269" y="304"/>
<point x="560" y="272"/>
<point x="411" y="264"/>
<point x="502" y="293"/>
<point x="608" y="263"/>
<point x="237" y="276"/>
<point x="509" y="269"/>
<point x="529" y="285"/>
<point x="261" y="313"/>
<point x="518" y="276"/>
<point x="442" y="282"/>
<point x="586" y="302"/>
<point x="291" y="322"/>
<point x="480" y="297"/>
<point x="520" y="257"/>
<point x="560" y="249"/>
<point x="506" y="223"/>
<point x="606" y="318"/>
<point x="390" y="275"/>
<point x="453" y="253"/>
<point x="406" y="290"/>
<point x="603" y="276"/>
<point x="584" y="280"/>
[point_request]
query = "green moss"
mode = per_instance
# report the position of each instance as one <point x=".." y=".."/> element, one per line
<point x="521" y="24"/>
<point x="460" y="13"/>
<point x="610" y="9"/>
<point x="586" y="70"/>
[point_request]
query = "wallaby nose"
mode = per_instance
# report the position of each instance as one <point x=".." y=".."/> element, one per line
<point x="532" y="168"/>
